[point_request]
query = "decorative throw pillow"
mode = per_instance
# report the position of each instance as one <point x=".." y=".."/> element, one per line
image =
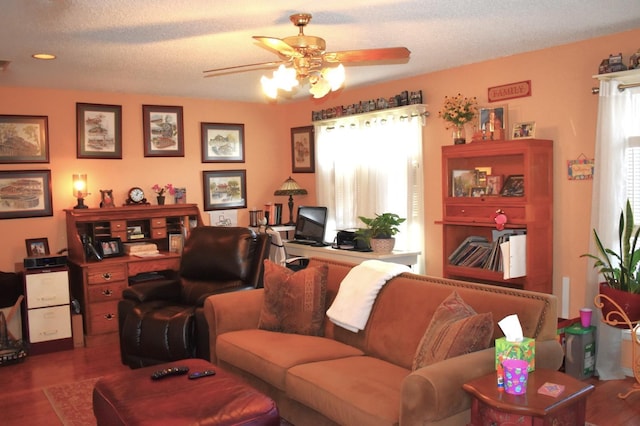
<point x="455" y="329"/>
<point x="294" y="302"/>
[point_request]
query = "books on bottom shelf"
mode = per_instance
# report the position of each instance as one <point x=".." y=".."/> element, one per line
<point x="506" y="252"/>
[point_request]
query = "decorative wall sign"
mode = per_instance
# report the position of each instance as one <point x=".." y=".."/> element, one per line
<point x="509" y="91"/>
<point x="581" y="168"/>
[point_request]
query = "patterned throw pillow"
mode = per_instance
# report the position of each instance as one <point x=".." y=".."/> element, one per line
<point x="294" y="302"/>
<point x="455" y="329"/>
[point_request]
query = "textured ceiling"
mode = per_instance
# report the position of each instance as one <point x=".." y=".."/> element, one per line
<point x="162" y="46"/>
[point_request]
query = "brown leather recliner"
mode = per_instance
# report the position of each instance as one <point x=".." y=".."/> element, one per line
<point x="163" y="320"/>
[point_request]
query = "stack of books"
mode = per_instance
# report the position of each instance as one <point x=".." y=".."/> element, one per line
<point x="140" y="249"/>
<point x="477" y="252"/>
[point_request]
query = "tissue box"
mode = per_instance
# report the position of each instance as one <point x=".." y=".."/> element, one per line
<point x="525" y="350"/>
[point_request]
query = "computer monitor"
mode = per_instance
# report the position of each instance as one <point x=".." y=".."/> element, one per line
<point x="311" y="223"/>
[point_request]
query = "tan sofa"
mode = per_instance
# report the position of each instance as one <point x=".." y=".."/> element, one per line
<point x="365" y="378"/>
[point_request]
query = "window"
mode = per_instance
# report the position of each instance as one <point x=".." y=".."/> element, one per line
<point x="632" y="168"/>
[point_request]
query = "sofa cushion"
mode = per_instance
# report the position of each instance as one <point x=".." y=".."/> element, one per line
<point x="294" y="302"/>
<point x="455" y="329"/>
<point x="350" y="391"/>
<point x="268" y="354"/>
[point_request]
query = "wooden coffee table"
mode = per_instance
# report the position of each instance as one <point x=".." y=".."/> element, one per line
<point x="492" y="406"/>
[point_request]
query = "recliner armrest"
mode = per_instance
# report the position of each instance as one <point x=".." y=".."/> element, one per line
<point x="153" y="290"/>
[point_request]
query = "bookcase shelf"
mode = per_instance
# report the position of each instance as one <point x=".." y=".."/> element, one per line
<point x="465" y="215"/>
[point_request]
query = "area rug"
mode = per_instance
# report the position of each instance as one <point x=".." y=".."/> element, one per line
<point x="73" y="402"/>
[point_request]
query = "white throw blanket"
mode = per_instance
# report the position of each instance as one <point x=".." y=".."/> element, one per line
<point x="358" y="291"/>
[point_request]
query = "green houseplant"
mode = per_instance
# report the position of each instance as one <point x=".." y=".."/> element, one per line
<point x="620" y="268"/>
<point x="380" y="231"/>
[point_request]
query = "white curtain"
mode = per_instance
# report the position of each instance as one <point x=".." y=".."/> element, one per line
<point x="368" y="166"/>
<point x="618" y="121"/>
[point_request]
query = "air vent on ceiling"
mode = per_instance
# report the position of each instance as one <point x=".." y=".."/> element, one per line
<point x="4" y="65"/>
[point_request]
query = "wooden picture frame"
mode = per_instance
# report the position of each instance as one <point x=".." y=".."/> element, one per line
<point x="163" y="131"/>
<point x="524" y="130"/>
<point x="25" y="193"/>
<point x="303" y="150"/>
<point x="494" y="184"/>
<point x="110" y="247"/>
<point x="222" y="142"/>
<point x="462" y="181"/>
<point x="24" y="139"/>
<point x="37" y="246"/>
<point x="225" y="189"/>
<point x="492" y="122"/>
<point x="98" y="131"/>
<point x="176" y="243"/>
<point x="513" y="186"/>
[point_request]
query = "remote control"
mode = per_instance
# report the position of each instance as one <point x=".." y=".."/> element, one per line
<point x="174" y="371"/>
<point x="198" y="374"/>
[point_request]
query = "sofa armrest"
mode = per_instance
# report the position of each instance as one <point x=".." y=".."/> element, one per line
<point x="435" y="392"/>
<point x="225" y="312"/>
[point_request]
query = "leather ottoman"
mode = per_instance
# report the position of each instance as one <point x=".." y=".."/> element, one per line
<point x="133" y="398"/>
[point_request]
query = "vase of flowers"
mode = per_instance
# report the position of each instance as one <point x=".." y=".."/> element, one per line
<point x="458" y="111"/>
<point x="160" y="190"/>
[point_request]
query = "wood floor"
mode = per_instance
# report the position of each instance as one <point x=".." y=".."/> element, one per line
<point x="22" y="401"/>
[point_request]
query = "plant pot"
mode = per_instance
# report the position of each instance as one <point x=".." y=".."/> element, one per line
<point x="628" y="302"/>
<point x="382" y="245"/>
<point x="160" y="199"/>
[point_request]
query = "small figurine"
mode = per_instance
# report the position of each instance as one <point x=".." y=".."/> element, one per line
<point x="500" y="219"/>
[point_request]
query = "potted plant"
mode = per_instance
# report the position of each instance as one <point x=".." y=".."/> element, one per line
<point x="380" y="231"/>
<point x="620" y="270"/>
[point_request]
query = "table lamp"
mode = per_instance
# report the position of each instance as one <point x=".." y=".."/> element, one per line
<point x="80" y="189"/>
<point x="290" y="187"/>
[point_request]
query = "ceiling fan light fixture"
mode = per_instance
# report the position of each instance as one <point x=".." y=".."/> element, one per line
<point x="320" y="88"/>
<point x="335" y="76"/>
<point x="283" y="78"/>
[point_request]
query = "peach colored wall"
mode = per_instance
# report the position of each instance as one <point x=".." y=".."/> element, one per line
<point x="561" y="104"/>
<point x="563" y="108"/>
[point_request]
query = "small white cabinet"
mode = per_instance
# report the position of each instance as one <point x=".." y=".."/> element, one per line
<point x="48" y="311"/>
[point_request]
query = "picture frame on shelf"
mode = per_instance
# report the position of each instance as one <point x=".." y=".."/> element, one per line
<point x="492" y="123"/>
<point x="303" y="150"/>
<point x="524" y="130"/>
<point x="494" y="184"/>
<point x="98" y="131"/>
<point x="37" y="246"/>
<point x="176" y="243"/>
<point x="462" y="181"/>
<point x="222" y="142"/>
<point x="163" y="131"/>
<point x="513" y="186"/>
<point x="224" y="189"/>
<point x="28" y="135"/>
<point x="25" y="193"/>
<point x="478" y="191"/>
<point x="110" y="247"/>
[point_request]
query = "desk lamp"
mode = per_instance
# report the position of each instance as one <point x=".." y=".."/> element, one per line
<point x="290" y="187"/>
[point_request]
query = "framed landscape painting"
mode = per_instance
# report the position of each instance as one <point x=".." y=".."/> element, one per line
<point x="25" y="193"/>
<point x="222" y="143"/>
<point x="225" y="189"/>
<point x="99" y="131"/>
<point x="163" y="131"/>
<point x="24" y="139"/>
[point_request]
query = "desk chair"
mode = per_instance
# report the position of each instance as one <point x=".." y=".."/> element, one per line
<point x="278" y="253"/>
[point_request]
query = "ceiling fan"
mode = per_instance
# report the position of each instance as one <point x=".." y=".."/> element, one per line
<point x="303" y="59"/>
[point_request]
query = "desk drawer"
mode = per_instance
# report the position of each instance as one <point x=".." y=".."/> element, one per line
<point x="103" y="318"/>
<point x="475" y="213"/>
<point x="154" y="264"/>
<point x="159" y="222"/>
<point x="49" y="324"/>
<point x="106" y="292"/>
<point x="157" y="233"/>
<point x="106" y="273"/>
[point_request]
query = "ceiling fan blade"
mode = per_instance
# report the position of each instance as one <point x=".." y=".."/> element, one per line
<point x="241" y="68"/>
<point x="279" y="46"/>
<point x="368" y="55"/>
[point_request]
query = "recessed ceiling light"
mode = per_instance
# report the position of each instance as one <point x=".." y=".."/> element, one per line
<point x="45" y="56"/>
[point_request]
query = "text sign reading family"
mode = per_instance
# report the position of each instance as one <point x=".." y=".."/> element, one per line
<point x="509" y="91"/>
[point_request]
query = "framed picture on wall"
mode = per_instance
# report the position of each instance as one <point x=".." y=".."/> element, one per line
<point x="222" y="143"/>
<point x="99" y="131"/>
<point x="25" y="193"/>
<point x="163" y="131"/>
<point x="303" y="150"/>
<point x="225" y="189"/>
<point x="24" y="139"/>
